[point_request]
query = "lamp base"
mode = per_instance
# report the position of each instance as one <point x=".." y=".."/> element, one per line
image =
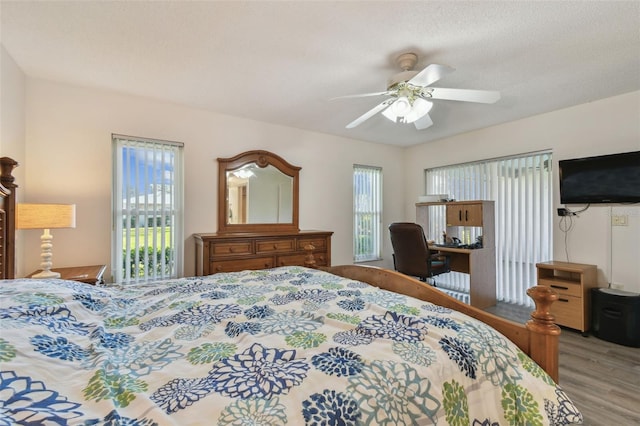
<point x="46" y="274"/>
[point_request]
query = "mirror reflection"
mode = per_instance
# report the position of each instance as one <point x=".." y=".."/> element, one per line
<point x="258" y="191"/>
<point x="259" y="195"/>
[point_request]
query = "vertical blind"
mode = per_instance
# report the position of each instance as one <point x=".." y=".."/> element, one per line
<point x="147" y="209"/>
<point x="521" y="188"/>
<point x="367" y="216"/>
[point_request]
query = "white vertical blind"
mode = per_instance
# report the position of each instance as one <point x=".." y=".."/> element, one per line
<point x="147" y="209"/>
<point x="521" y="188"/>
<point x="367" y="213"/>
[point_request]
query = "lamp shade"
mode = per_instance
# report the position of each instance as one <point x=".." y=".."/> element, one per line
<point x="45" y="216"/>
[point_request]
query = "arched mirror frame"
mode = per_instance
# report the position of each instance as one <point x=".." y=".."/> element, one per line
<point x="262" y="159"/>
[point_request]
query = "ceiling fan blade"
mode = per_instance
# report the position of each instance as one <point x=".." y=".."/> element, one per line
<point x="465" y="95"/>
<point x="373" y="111"/>
<point x="423" y="122"/>
<point x="364" y="95"/>
<point x="430" y="75"/>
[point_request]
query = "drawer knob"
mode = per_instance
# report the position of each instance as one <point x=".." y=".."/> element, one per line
<point x="275" y="246"/>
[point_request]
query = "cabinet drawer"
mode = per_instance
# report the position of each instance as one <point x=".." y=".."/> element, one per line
<point x="318" y="243"/>
<point x="272" y="246"/>
<point x="241" y="264"/>
<point x="568" y="311"/>
<point x="565" y="288"/>
<point x="237" y="248"/>
<point x="298" y="259"/>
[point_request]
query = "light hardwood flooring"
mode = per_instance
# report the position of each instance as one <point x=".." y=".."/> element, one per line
<point x="600" y="377"/>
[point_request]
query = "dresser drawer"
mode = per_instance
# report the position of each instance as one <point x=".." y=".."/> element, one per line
<point x="563" y="287"/>
<point x="568" y="311"/>
<point x="298" y="259"/>
<point x="241" y="264"/>
<point x="231" y="248"/>
<point x="317" y="243"/>
<point x="274" y="246"/>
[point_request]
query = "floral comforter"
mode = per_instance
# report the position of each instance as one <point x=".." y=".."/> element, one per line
<point x="283" y="346"/>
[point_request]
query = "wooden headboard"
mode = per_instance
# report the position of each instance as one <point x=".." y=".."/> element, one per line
<point x="7" y="218"/>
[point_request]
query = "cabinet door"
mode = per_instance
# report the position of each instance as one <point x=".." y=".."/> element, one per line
<point x="472" y="214"/>
<point x="455" y="215"/>
<point x="464" y="215"/>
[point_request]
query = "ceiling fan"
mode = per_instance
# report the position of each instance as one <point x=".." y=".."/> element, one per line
<point x="409" y="94"/>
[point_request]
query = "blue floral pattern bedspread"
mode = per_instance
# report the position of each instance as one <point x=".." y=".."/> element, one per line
<point x="283" y="346"/>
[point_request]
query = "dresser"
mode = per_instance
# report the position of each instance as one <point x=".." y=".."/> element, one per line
<point x="230" y="252"/>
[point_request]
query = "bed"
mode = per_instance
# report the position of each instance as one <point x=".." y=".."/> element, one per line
<point x="291" y="345"/>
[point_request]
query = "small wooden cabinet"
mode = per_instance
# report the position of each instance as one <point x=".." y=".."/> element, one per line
<point x="573" y="283"/>
<point x="464" y="214"/>
<point x="230" y="252"/>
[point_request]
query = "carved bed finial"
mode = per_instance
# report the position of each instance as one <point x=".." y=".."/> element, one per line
<point x="6" y="168"/>
<point x="542" y="318"/>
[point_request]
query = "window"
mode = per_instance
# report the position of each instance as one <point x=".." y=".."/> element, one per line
<point x="522" y="191"/>
<point x="367" y="213"/>
<point x="147" y="209"/>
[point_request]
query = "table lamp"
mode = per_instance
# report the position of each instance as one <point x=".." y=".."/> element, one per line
<point x="46" y="216"/>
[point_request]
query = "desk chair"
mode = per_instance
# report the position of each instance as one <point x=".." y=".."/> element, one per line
<point x="411" y="254"/>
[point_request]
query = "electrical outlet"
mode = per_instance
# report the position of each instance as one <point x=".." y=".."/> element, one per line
<point x="617" y="286"/>
<point x="620" y="220"/>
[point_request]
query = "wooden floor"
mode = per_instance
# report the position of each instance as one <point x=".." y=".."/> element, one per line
<point x="600" y="377"/>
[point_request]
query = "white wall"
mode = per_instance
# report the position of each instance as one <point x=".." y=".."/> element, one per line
<point x="12" y="114"/>
<point x="12" y="121"/>
<point x="597" y="128"/>
<point x="68" y="134"/>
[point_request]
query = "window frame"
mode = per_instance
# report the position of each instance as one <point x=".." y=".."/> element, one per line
<point x="375" y="202"/>
<point x="174" y="208"/>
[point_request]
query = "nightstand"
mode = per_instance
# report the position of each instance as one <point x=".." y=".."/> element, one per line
<point x="86" y="274"/>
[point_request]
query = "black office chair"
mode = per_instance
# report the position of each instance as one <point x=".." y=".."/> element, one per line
<point x="411" y="254"/>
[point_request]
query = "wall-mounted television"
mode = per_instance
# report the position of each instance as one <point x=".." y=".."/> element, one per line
<point x="613" y="178"/>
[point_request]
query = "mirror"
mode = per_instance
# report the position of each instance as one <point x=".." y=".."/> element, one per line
<point x="257" y="191"/>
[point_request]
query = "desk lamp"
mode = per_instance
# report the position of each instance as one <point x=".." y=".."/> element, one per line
<point x="46" y="216"/>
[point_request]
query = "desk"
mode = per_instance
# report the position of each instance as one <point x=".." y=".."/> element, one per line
<point x="479" y="264"/>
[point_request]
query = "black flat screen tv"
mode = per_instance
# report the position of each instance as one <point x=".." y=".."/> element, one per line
<point x="613" y="178"/>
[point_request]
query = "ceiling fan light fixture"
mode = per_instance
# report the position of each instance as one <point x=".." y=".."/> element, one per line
<point x="402" y="106"/>
<point x="419" y="109"/>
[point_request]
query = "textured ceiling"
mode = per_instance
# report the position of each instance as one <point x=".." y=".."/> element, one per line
<point x="280" y="62"/>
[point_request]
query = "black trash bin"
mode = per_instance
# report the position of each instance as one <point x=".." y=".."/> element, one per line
<point x="615" y="316"/>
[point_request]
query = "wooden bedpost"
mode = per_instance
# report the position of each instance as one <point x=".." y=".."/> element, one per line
<point x="544" y="337"/>
<point x="8" y="217"/>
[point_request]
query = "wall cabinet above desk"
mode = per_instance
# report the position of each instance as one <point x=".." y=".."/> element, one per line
<point x="458" y="215"/>
<point x="464" y="214"/>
